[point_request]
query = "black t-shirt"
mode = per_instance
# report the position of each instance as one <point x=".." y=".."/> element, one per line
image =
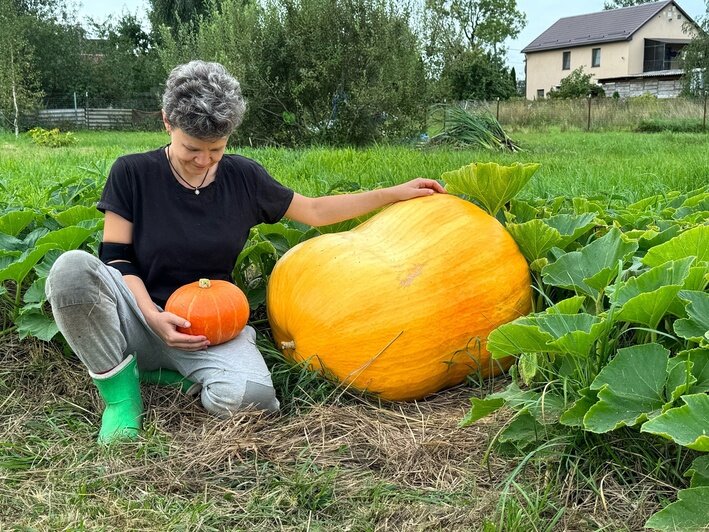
<point x="179" y="236"/>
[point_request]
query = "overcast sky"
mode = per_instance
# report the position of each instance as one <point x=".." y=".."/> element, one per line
<point x="540" y="15"/>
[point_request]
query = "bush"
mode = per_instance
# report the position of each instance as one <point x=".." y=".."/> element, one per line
<point x="577" y="85"/>
<point x="677" y="125"/>
<point x="51" y="137"/>
<point x="314" y="71"/>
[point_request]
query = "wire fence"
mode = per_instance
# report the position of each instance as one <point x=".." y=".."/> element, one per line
<point x="597" y="114"/>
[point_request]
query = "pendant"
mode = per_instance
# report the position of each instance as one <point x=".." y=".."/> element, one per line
<point x="196" y="191"/>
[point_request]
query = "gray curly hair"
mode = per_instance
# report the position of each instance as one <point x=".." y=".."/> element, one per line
<point x="203" y="100"/>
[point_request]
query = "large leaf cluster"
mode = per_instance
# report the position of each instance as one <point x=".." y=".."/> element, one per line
<point x="620" y="336"/>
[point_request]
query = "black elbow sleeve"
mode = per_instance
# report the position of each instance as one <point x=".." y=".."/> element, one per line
<point x="119" y="256"/>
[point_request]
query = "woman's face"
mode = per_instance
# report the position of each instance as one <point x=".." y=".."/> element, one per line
<point x="192" y="155"/>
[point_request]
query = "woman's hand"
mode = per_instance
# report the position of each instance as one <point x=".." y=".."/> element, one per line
<point x="416" y="188"/>
<point x="165" y="324"/>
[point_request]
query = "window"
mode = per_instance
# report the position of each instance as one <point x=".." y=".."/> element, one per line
<point x="540" y="94"/>
<point x="596" y="57"/>
<point x="566" y="61"/>
<point x="662" y="56"/>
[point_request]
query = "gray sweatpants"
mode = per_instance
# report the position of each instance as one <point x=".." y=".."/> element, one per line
<point x="98" y="316"/>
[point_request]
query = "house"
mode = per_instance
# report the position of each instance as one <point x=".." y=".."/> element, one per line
<point x="631" y="51"/>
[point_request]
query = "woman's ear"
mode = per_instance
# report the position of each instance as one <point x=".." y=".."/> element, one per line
<point x="168" y="128"/>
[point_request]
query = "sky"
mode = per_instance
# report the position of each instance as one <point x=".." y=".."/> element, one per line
<point x="540" y="15"/>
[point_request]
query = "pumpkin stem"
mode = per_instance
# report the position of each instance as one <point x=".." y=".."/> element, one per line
<point x="204" y="283"/>
<point x="288" y="345"/>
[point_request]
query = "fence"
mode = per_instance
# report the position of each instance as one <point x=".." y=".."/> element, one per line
<point x="595" y="114"/>
<point x="96" y="118"/>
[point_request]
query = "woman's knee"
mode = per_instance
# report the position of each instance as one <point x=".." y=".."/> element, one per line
<point x="72" y="279"/>
<point x="225" y="397"/>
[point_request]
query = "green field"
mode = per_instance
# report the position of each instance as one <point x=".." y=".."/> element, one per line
<point x="573" y="163"/>
<point x="332" y="460"/>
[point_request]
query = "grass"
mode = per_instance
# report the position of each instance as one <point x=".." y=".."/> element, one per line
<point x="573" y="163"/>
<point x="331" y="460"/>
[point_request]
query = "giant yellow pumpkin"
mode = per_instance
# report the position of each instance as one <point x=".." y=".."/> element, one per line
<point x="401" y="306"/>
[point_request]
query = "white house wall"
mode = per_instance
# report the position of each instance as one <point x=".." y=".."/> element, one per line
<point x="618" y="59"/>
<point x="667" y="24"/>
<point x="544" y="69"/>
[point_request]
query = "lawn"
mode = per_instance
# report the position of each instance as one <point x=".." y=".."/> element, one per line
<point x="332" y="460"/>
<point x="573" y="163"/>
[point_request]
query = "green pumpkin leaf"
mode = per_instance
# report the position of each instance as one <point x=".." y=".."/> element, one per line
<point x="522" y="335"/>
<point x="254" y="252"/>
<point x="290" y="236"/>
<point x="698" y="278"/>
<point x="680" y="378"/>
<point x="534" y="238"/>
<point x="538" y="265"/>
<point x="490" y="184"/>
<point x="43" y="267"/>
<point x="646" y="299"/>
<point x="524" y="429"/>
<point x="35" y="293"/>
<point x="575" y="333"/>
<point x="699" y="359"/>
<point x="692" y="243"/>
<point x="699" y="472"/>
<point x="583" y="205"/>
<point x="571" y="227"/>
<point x="14" y="222"/>
<point x="570" y="305"/>
<point x="77" y="214"/>
<point x="630" y="388"/>
<point x="522" y="211"/>
<point x="685" y="425"/>
<point x="479" y="409"/>
<point x="573" y="417"/>
<point x="10" y="243"/>
<point x="644" y="204"/>
<point x="651" y="239"/>
<point x="696" y="326"/>
<point x="67" y="238"/>
<point x="36" y="324"/>
<point x="20" y="267"/>
<point x="592" y="268"/>
<point x="528" y="365"/>
<point x="546" y="333"/>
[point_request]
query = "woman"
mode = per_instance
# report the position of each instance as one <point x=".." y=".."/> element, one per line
<point x="172" y="216"/>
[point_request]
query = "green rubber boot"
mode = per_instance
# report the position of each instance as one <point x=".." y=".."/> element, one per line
<point x="120" y="390"/>
<point x="168" y="377"/>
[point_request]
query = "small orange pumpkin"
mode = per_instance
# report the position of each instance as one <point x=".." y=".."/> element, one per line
<point x="218" y="310"/>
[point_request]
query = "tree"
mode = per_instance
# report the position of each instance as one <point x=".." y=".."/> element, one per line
<point x="470" y="24"/>
<point x="172" y="13"/>
<point x="337" y="71"/>
<point x="577" y="85"/>
<point x="18" y="87"/>
<point x="696" y="60"/>
<point x="478" y="75"/>
<point x="127" y="65"/>
<point x="615" y="4"/>
<point x="460" y="35"/>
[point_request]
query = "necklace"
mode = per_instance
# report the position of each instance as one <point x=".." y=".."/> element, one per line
<point x="196" y="189"/>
